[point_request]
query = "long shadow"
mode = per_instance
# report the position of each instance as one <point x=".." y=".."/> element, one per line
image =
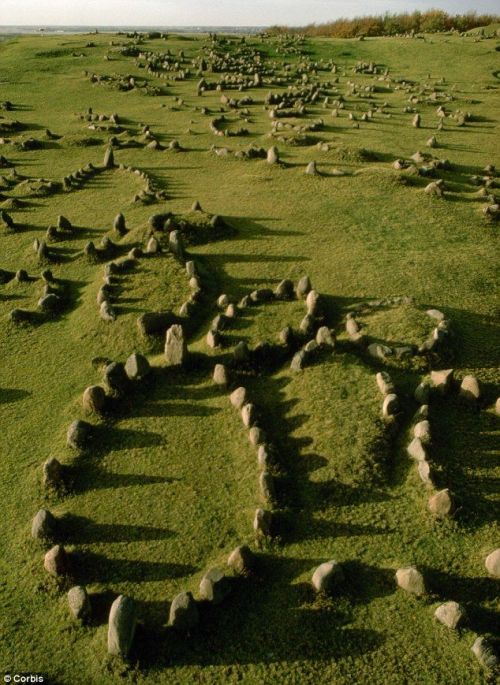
<point x="81" y="530"/>
<point x="465" y="450"/>
<point x="97" y="568"/>
<point x="107" y="439"/>
<point x="171" y="409"/>
<point x="82" y="474"/>
<point x="290" y="622"/>
<point x="8" y="395"/>
<point x="472" y="593"/>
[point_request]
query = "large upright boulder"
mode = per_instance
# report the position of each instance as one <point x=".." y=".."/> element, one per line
<point x="328" y="576"/>
<point x="411" y="580"/>
<point x="215" y="586"/>
<point x="121" y="626"/>
<point x="175" y="346"/>
<point x="109" y="158"/>
<point x="43" y="525"/>
<point x="492" y="563"/>
<point x="183" y="612"/>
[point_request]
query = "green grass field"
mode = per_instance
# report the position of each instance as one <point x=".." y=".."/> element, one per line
<point x="169" y="485"/>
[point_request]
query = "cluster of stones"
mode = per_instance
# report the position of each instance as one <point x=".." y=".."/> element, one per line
<point x="79" y="177"/>
<point x="51" y="302"/>
<point x="251" y="152"/>
<point x="451" y="614"/>
<point x="215" y="127"/>
<point x="440" y="502"/>
<point x="123" y="82"/>
<point x="311" y="327"/>
<point x="436" y="343"/>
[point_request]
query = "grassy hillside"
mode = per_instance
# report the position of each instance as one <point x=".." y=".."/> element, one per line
<point x="169" y="485"/>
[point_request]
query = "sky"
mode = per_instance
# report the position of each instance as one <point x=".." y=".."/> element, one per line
<point x="214" y="12"/>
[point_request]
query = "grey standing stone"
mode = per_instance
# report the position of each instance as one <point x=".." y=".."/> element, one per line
<point x="298" y="361"/>
<point x="175" y="346"/>
<point x="450" y="614"/>
<point x="79" y="603"/>
<point x="52" y="473"/>
<point x="109" y="158"/>
<point x="284" y="290"/>
<point x="137" y="367"/>
<point x="422" y="430"/>
<point x="220" y="375"/>
<point x="384" y="382"/>
<point x="262" y="522"/>
<point x="492" y="563"/>
<point x="94" y="399"/>
<point x="44" y="525"/>
<point x="390" y="406"/>
<point x="121" y="626"/>
<point x="153" y="246"/>
<point x="242" y="560"/>
<point x="273" y="155"/>
<point x="416" y="450"/>
<point x="256" y="436"/>
<point x="175" y="244"/>
<point x="191" y="269"/>
<point x="248" y="414"/>
<point x="442" y="380"/>
<point x="303" y="287"/>
<point x="78" y="434"/>
<point x="238" y="397"/>
<point x="119" y="224"/>
<point x="56" y="561"/>
<point x="325" y="337"/>
<point x="424" y="472"/>
<point x="213" y="339"/>
<point x="241" y="352"/>
<point x="223" y="301"/>
<point x="440" y="504"/>
<point x="263" y="456"/>
<point x="485" y="653"/>
<point x="215" y="586"/>
<point x="422" y="392"/>
<point x="266" y="487"/>
<point x="313" y="303"/>
<point x="307" y="325"/>
<point x="183" y="613"/>
<point x="115" y="378"/>
<point x="49" y="303"/>
<point x="469" y="389"/>
<point x="410" y="579"/>
<point x="106" y="312"/>
<point x="328" y="576"/>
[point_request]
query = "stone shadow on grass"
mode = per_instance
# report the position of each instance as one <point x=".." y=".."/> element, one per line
<point x="88" y="567"/>
<point x="264" y="620"/>
<point x="82" y="530"/>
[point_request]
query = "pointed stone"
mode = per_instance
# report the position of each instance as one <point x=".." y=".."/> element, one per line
<point x="328" y="577"/>
<point x="183" y="613"/>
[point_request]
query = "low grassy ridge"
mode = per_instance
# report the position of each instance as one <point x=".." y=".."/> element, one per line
<point x="169" y="485"/>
